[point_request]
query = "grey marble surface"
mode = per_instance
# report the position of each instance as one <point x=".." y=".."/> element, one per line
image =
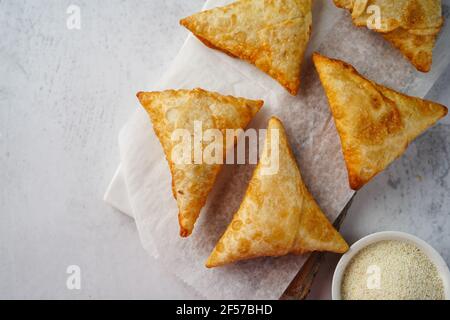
<point x="64" y="95"/>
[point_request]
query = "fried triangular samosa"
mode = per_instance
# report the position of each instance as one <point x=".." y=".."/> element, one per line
<point x="375" y="123"/>
<point x="272" y="35"/>
<point x="418" y="49"/>
<point x="195" y="112"/>
<point x="410" y="25"/>
<point x="278" y="215"/>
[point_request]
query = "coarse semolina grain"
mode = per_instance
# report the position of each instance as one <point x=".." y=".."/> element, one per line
<point x="391" y="270"/>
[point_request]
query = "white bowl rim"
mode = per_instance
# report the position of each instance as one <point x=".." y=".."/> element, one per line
<point x="428" y="250"/>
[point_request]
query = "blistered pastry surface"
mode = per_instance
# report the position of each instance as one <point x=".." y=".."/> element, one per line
<point x="375" y="123"/>
<point x="272" y="34"/>
<point x="171" y="110"/>
<point x="410" y="25"/>
<point x="278" y="214"/>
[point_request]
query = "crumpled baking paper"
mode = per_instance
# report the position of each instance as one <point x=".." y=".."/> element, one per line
<point x="142" y="185"/>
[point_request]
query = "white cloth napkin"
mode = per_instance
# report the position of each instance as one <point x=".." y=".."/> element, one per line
<point x="141" y="186"/>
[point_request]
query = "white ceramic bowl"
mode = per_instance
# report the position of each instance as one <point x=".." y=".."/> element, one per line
<point x="432" y="254"/>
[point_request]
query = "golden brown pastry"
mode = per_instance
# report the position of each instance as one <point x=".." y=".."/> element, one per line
<point x="192" y="180"/>
<point x="375" y="123"/>
<point x="278" y="214"/>
<point x="271" y="34"/>
<point x="410" y="25"/>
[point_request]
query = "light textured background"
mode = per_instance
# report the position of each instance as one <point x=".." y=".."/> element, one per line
<point x="64" y="95"/>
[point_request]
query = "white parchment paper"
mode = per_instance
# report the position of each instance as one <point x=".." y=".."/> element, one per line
<point x="311" y="132"/>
